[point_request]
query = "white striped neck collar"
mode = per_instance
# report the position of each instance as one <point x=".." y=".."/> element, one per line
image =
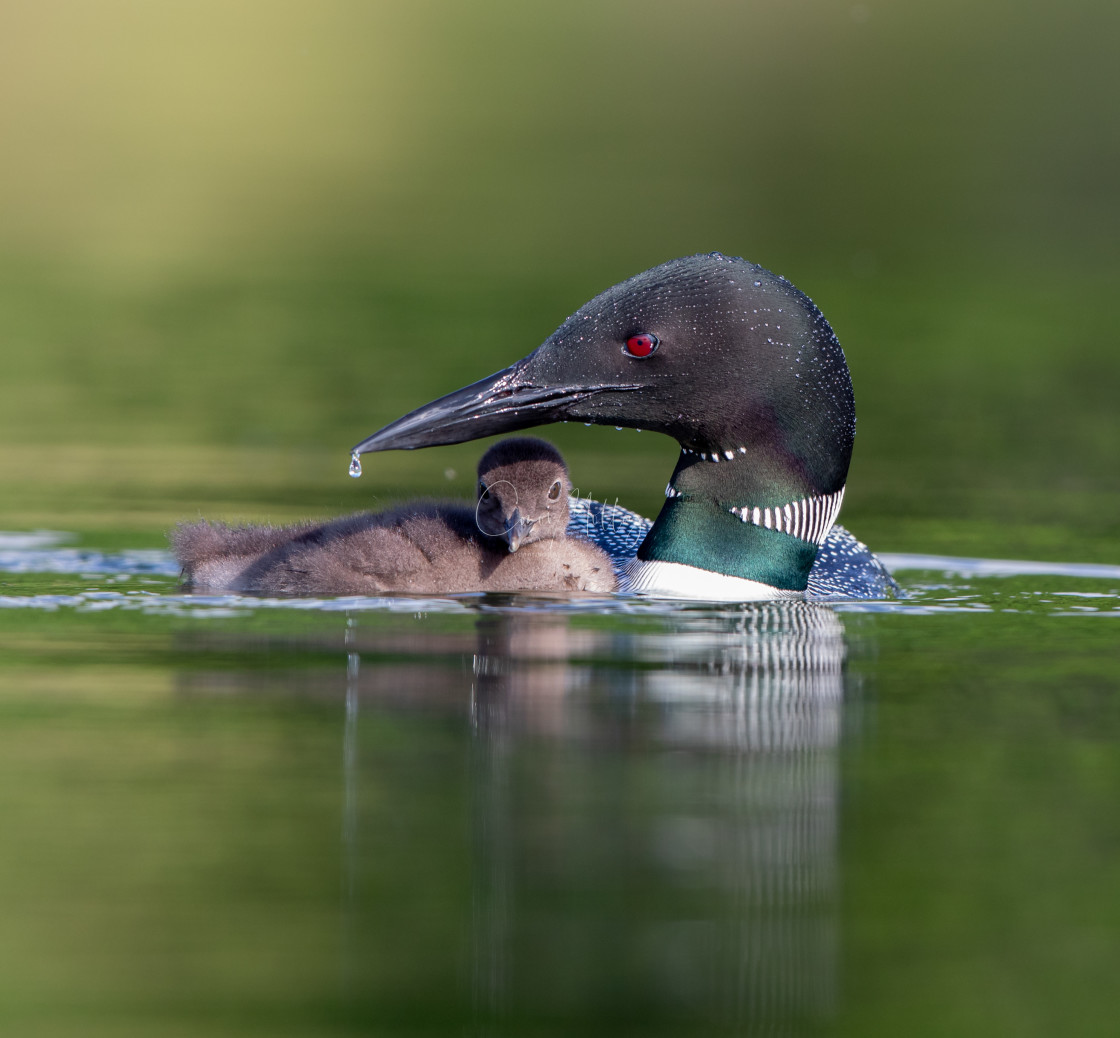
<point x="808" y="519"/>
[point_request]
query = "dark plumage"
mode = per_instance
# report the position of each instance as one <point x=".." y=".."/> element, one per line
<point x="514" y="539"/>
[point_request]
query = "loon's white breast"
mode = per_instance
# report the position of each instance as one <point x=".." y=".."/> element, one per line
<point x="675" y="580"/>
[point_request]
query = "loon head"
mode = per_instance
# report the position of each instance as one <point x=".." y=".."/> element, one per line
<point x="523" y="488"/>
<point x="727" y="358"/>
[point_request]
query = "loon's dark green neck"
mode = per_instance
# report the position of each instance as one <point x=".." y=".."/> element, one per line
<point x="701" y="534"/>
<point x="728" y="516"/>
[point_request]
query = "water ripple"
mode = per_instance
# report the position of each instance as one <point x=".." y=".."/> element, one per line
<point x="970" y="586"/>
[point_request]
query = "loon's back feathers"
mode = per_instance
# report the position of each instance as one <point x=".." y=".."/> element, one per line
<point x="514" y="539"/>
<point x="848" y="568"/>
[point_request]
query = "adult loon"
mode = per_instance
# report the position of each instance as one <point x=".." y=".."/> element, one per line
<point x="745" y="373"/>
<point x="513" y="539"/>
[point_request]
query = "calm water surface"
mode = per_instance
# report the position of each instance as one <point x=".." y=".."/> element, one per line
<point x="504" y="814"/>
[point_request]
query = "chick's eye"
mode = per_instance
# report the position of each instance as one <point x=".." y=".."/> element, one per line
<point x="482" y="491"/>
<point x="554" y="491"/>
<point x="641" y="345"/>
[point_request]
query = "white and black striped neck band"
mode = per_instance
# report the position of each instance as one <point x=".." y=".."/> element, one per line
<point x="809" y="519"/>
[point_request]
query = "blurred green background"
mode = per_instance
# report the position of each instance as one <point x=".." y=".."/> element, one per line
<point x="236" y="238"/>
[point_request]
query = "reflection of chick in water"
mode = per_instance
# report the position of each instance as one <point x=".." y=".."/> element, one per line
<point x="513" y="540"/>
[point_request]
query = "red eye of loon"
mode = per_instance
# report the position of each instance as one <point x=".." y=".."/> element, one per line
<point x="642" y="344"/>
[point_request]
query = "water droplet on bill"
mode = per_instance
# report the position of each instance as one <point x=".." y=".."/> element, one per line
<point x="355" y="465"/>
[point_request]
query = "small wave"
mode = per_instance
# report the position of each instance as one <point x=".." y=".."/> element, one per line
<point x="129" y="562"/>
<point x="966" y="567"/>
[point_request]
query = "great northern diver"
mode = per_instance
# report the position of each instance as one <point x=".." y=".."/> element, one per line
<point x="745" y="373"/>
<point x="514" y="539"/>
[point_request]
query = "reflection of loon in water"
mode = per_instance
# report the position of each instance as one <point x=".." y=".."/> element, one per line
<point x="745" y="807"/>
<point x="648" y="814"/>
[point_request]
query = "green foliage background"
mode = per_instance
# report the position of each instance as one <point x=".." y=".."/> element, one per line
<point x="237" y="238"/>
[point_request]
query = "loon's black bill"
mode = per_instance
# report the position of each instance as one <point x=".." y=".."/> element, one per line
<point x="502" y="403"/>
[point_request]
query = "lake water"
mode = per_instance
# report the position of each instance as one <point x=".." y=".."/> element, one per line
<point x="524" y="815"/>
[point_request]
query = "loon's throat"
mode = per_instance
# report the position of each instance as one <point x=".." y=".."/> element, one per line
<point x="772" y="544"/>
<point x="703" y="534"/>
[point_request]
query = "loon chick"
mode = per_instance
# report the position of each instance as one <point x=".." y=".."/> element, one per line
<point x="745" y="373"/>
<point x="514" y="539"/>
